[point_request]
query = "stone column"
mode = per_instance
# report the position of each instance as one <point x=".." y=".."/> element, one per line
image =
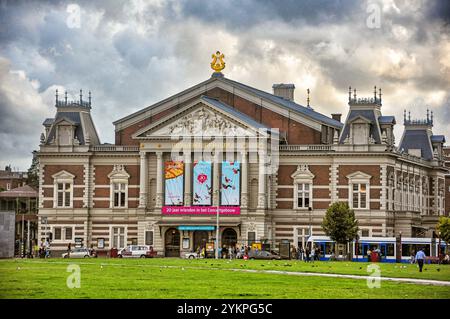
<point x="187" y="180"/>
<point x="244" y="172"/>
<point x="143" y="180"/>
<point x="261" y="182"/>
<point x="159" y="180"/>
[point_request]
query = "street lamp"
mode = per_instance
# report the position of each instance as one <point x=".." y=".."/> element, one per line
<point x="439" y="247"/>
<point x="217" y="223"/>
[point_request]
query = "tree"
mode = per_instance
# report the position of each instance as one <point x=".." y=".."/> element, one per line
<point x="33" y="172"/>
<point x="443" y="230"/>
<point x="340" y="224"/>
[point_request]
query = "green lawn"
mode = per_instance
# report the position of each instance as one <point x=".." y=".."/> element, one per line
<point x="176" y="278"/>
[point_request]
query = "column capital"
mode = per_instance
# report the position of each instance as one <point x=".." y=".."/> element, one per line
<point x="159" y="154"/>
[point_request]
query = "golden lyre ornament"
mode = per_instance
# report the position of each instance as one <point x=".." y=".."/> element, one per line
<point x="217" y="63"/>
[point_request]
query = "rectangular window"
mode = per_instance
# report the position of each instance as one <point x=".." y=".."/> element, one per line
<point x="118" y="237"/>
<point x="64" y="191"/>
<point x="149" y="237"/>
<point x="68" y="235"/>
<point x="359" y="195"/>
<point x="303" y="195"/>
<point x="8" y="186"/>
<point x="119" y="195"/>
<point x="57" y="233"/>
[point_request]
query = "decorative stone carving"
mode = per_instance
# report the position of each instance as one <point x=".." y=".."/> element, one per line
<point x="202" y="122"/>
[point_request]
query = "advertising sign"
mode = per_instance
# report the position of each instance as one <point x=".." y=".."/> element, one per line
<point x="200" y="210"/>
<point x="174" y="176"/>
<point x="202" y="183"/>
<point x="230" y="185"/>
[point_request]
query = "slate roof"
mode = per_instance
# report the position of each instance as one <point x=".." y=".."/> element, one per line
<point x="24" y="191"/>
<point x="417" y="139"/>
<point x="48" y="121"/>
<point x="389" y="119"/>
<point x="437" y="139"/>
<point x="232" y="111"/>
<point x="292" y="106"/>
<point x="367" y="114"/>
<point x="288" y="104"/>
<point x="73" y="117"/>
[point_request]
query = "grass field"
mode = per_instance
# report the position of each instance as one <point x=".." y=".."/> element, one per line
<point x="176" y="278"/>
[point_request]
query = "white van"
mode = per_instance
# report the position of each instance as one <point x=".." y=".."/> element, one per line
<point x="136" y="251"/>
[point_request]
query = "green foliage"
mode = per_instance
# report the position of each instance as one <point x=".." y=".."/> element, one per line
<point x="33" y="172"/>
<point x="340" y="223"/>
<point x="443" y="227"/>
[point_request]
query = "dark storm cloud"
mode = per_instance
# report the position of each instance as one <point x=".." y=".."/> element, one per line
<point x="240" y="14"/>
<point x="439" y="9"/>
<point x="131" y="54"/>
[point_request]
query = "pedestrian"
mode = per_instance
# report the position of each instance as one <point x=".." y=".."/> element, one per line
<point x="69" y="250"/>
<point x="369" y="254"/>
<point x="413" y="260"/>
<point x="420" y="257"/>
<point x="307" y="255"/>
<point x="313" y="254"/>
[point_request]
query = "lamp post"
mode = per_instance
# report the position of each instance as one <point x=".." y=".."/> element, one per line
<point x="217" y="224"/>
<point x="439" y="247"/>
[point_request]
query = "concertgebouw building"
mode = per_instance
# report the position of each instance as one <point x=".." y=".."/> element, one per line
<point x="270" y="165"/>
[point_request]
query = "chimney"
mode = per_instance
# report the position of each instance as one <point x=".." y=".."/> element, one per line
<point x="336" y="116"/>
<point x="286" y="91"/>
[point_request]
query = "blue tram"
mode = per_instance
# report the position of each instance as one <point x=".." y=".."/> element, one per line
<point x="386" y="246"/>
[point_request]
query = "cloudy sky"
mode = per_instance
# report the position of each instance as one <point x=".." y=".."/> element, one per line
<point x="131" y="54"/>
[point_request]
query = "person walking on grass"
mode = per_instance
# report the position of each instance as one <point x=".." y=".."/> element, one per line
<point x="420" y="257"/>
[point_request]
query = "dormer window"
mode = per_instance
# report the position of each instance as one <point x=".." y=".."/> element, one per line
<point x="360" y="130"/>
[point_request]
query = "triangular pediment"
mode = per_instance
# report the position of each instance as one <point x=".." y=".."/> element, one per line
<point x="63" y="175"/>
<point x="64" y="121"/>
<point x="360" y="119"/>
<point x="359" y="176"/>
<point x="302" y="173"/>
<point x="205" y="117"/>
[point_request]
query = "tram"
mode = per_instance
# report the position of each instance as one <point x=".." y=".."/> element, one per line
<point x="386" y="246"/>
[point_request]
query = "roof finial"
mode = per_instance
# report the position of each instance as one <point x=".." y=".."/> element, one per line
<point x="428" y="115"/>
<point x="409" y="116"/>
<point x="375" y="93"/>
<point x="89" y="98"/>
<point x="81" y="96"/>
<point x="404" y="116"/>
<point x="217" y="63"/>
<point x="354" y="95"/>
<point x="65" y="97"/>
<point x="56" y="96"/>
<point x="379" y="94"/>
<point x="349" y="94"/>
<point x="431" y="117"/>
<point x="307" y="99"/>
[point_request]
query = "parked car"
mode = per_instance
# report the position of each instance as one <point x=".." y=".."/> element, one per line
<point x="136" y="251"/>
<point x="78" y="253"/>
<point x="262" y="254"/>
<point x="191" y="255"/>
